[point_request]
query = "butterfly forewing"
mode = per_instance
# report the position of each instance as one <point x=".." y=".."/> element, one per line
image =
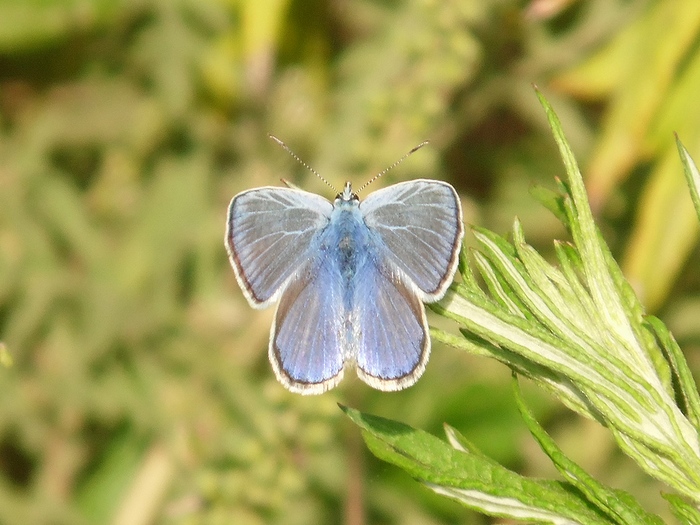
<point x="269" y="235"/>
<point x="420" y="223"/>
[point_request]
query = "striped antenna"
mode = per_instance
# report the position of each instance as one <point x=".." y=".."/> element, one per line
<point x="370" y="181"/>
<point x="296" y="157"/>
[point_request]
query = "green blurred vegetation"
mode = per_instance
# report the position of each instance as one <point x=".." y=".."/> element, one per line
<point x="134" y="385"/>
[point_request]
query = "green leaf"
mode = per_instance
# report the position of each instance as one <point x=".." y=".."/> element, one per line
<point x="586" y="236"/>
<point x="471" y="478"/>
<point x="692" y="175"/>
<point x="617" y="504"/>
<point x="551" y="200"/>
<point x="682" y="374"/>
<point x="684" y="511"/>
<point x="579" y="331"/>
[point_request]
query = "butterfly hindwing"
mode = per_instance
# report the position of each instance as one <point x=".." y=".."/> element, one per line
<point x="391" y="340"/>
<point x="420" y="223"/>
<point x="307" y="342"/>
<point x="268" y="236"/>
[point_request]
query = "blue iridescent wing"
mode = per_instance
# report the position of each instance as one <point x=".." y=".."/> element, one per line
<point x="391" y="342"/>
<point x="307" y="342"/>
<point x="268" y="237"/>
<point x="420" y="224"/>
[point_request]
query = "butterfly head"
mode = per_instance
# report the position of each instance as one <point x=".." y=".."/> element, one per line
<point x="347" y="194"/>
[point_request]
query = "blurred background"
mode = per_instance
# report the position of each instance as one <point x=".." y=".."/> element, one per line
<point x="134" y="381"/>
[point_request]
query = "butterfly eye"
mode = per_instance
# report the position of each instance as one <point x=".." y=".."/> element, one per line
<point x="342" y="197"/>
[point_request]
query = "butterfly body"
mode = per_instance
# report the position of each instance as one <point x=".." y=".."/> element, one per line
<point x="346" y="242"/>
<point x="351" y="277"/>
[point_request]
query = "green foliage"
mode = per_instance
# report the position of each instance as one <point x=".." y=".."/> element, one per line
<point x="134" y="380"/>
<point x="579" y="332"/>
<point x="649" y="83"/>
<point x="692" y="175"/>
<point x="460" y="472"/>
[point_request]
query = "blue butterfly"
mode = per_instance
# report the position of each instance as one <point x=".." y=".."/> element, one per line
<point x="350" y="277"/>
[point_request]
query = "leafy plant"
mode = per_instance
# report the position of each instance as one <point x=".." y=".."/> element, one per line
<point x="579" y="332"/>
<point x="648" y="86"/>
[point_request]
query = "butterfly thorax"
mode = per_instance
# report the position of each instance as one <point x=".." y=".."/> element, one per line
<point x="347" y="239"/>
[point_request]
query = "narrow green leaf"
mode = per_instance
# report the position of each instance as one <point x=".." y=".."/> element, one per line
<point x="472" y="344"/>
<point x="551" y="200"/>
<point x="635" y="313"/>
<point x="556" y="384"/>
<point x="472" y="479"/>
<point x="619" y="505"/>
<point x="567" y="350"/>
<point x="535" y="344"/>
<point x="498" y="287"/>
<point x="684" y="511"/>
<point x="465" y="270"/>
<point x="563" y="316"/>
<point x="683" y="376"/>
<point x="570" y="264"/>
<point x="692" y="174"/>
<point x="587" y="238"/>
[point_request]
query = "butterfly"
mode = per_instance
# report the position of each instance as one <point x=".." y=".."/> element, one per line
<point x="351" y="277"/>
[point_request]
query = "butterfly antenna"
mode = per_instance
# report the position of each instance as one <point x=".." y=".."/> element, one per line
<point x="370" y="181"/>
<point x="296" y="157"/>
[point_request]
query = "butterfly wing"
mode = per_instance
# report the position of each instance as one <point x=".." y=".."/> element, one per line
<point x="420" y="224"/>
<point x="308" y="340"/>
<point x="269" y="235"/>
<point x="391" y="332"/>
